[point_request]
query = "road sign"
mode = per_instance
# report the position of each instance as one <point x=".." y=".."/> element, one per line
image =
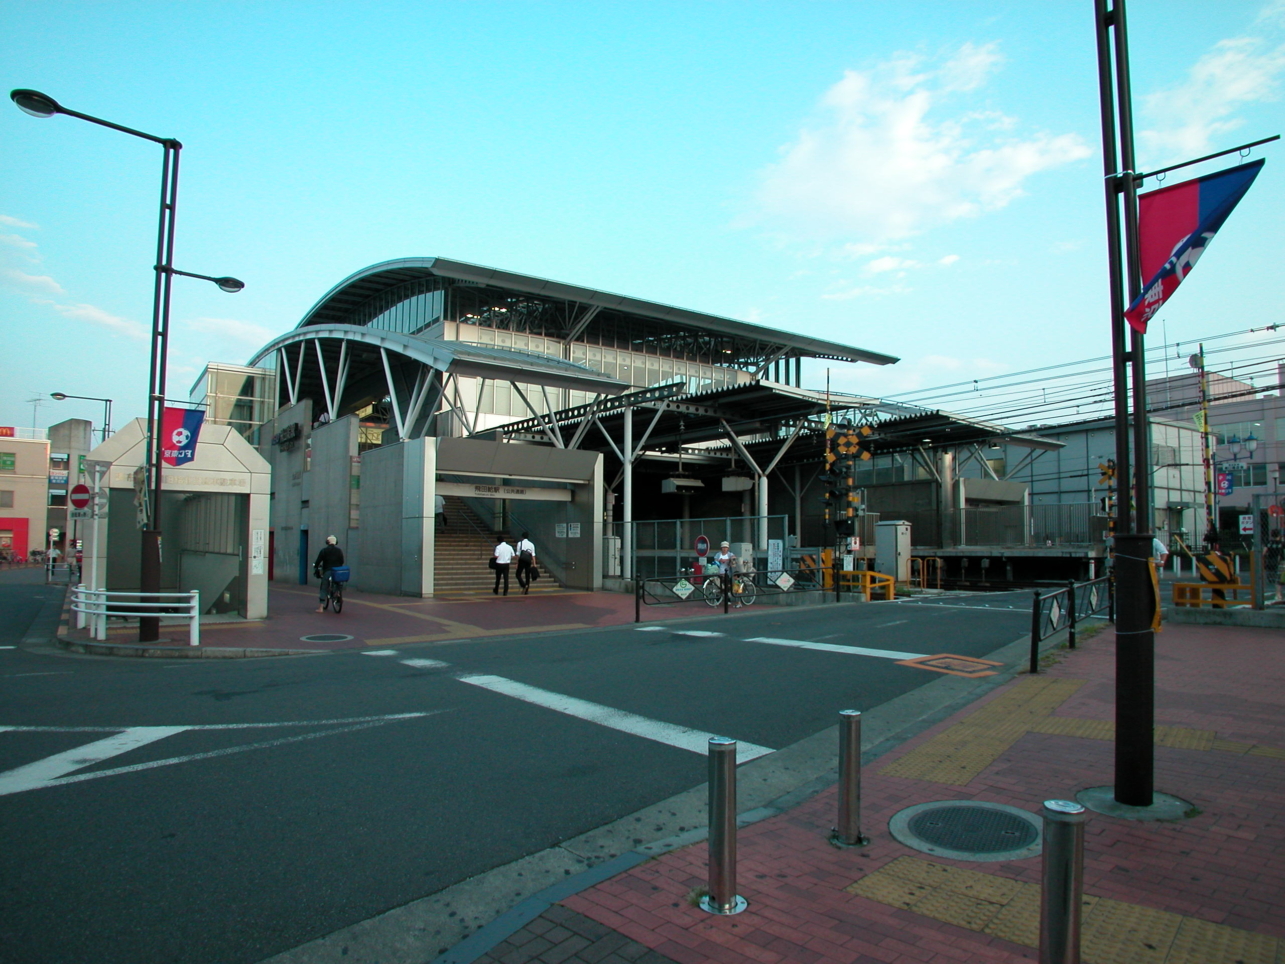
<point x="74" y="514"/>
<point x="1247" y="525"/>
<point x="80" y="496"/>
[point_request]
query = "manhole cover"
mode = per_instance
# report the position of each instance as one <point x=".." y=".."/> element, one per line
<point x="968" y="830"/>
<point x="325" y="638"/>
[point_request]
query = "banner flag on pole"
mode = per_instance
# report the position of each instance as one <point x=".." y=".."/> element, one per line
<point x="180" y="429"/>
<point x="1174" y="226"/>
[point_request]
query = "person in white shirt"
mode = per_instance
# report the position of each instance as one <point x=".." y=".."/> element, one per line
<point x="724" y="559"/>
<point x="526" y="559"/>
<point x="439" y="511"/>
<point x="504" y="554"/>
<point x="1159" y="553"/>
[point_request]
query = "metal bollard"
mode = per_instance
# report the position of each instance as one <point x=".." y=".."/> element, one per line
<point x="848" y="832"/>
<point x="1063" y="887"/>
<point x="722" y="897"/>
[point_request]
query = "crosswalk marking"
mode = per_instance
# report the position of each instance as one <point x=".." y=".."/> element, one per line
<point x="835" y="648"/>
<point x="702" y="633"/>
<point x="681" y="737"/>
<point x="380" y="652"/>
<point x="425" y="663"/>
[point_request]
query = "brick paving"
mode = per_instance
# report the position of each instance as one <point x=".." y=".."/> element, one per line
<point x="1208" y="889"/>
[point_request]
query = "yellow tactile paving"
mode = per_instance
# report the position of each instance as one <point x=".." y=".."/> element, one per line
<point x="1181" y="738"/>
<point x="1112" y="931"/>
<point x="956" y="756"/>
<point x="1201" y="941"/>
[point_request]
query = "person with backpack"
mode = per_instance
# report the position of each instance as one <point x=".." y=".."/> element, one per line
<point x="526" y="561"/>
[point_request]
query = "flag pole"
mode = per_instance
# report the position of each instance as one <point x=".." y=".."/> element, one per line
<point x="1135" y="638"/>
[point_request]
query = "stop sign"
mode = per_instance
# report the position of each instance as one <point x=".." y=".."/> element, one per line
<point x="80" y="496"/>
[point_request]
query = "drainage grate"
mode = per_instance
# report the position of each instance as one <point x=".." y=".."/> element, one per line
<point x="325" y="638"/>
<point x="969" y="830"/>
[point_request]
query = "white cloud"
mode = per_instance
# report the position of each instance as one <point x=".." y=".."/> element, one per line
<point x="847" y="293"/>
<point x="30" y="284"/>
<point x="890" y="263"/>
<point x="104" y="319"/>
<point x="240" y="331"/>
<point x="14" y="222"/>
<point x="16" y="240"/>
<point x="948" y="260"/>
<point x="886" y="159"/>
<point x="1199" y="113"/>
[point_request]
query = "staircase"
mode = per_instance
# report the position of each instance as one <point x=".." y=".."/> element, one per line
<point x="462" y="548"/>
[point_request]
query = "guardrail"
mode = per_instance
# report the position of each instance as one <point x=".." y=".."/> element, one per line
<point x="95" y="605"/>
<point x="1051" y="612"/>
<point x="726" y="590"/>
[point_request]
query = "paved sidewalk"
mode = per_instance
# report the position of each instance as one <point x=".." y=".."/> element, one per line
<point x="1205" y="889"/>
<point x="369" y="620"/>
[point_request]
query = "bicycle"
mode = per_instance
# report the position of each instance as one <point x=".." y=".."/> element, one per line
<point x="744" y="592"/>
<point x="335" y="590"/>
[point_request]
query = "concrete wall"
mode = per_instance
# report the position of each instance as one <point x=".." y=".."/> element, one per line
<point x="376" y="545"/>
<point x="291" y="485"/>
<point x="334" y="446"/>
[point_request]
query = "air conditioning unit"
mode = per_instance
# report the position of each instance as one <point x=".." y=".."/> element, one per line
<point x="680" y="484"/>
<point x="737" y="483"/>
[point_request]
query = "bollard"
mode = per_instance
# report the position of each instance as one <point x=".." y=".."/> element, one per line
<point x="727" y="589"/>
<point x="1036" y="614"/>
<point x="848" y="832"/>
<point x="1063" y="887"/>
<point x="1070" y="613"/>
<point x="722" y="897"/>
<point x="637" y="599"/>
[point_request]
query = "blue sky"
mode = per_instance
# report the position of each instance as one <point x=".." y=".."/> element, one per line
<point x="921" y="179"/>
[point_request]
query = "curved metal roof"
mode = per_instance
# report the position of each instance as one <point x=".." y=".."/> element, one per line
<point x="460" y="358"/>
<point x="336" y="306"/>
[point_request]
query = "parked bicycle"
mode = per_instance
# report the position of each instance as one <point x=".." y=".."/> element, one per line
<point x="743" y="590"/>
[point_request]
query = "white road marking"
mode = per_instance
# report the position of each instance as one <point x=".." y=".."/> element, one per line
<point x="65" y="672"/>
<point x="219" y="726"/>
<point x="649" y="629"/>
<point x="682" y="737"/>
<point x="46" y="771"/>
<point x="703" y="633"/>
<point x="425" y="663"/>
<point x="8" y="647"/>
<point x="835" y="648"/>
<point x="895" y="622"/>
<point x="380" y="652"/>
<point x="934" y="605"/>
<point x="50" y="771"/>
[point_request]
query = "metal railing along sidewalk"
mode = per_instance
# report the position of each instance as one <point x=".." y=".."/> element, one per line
<point x="94" y="606"/>
<point x="1051" y="612"/>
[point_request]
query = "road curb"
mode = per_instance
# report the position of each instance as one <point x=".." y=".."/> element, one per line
<point x="137" y="651"/>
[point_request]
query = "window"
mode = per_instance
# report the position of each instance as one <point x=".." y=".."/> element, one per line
<point x="1250" y="474"/>
<point x="1241" y="430"/>
<point x="6" y="499"/>
<point x="57" y="497"/>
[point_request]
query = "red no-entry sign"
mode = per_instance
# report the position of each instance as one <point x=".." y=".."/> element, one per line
<point x="80" y="496"/>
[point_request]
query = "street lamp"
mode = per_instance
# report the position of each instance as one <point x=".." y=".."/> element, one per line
<point x="36" y="104"/>
<point x="107" y="408"/>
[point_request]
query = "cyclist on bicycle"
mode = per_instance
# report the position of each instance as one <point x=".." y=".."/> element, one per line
<point x="328" y="558"/>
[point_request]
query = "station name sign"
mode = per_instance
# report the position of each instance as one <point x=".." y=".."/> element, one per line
<point x="479" y="491"/>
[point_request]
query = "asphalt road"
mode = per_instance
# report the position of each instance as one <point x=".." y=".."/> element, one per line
<point x="224" y="811"/>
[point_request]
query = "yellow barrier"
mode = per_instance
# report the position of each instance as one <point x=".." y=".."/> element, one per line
<point x="1193" y="594"/>
<point x="868" y="583"/>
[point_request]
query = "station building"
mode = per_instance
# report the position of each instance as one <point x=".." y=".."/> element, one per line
<point x="576" y="415"/>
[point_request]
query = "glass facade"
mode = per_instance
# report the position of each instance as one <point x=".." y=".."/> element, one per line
<point x="234" y="395"/>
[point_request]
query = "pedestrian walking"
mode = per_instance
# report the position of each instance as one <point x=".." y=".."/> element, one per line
<point x="502" y="556"/>
<point x="328" y="558"/>
<point x="526" y="559"/>
<point x="439" y="511"/>
<point x="1274" y="564"/>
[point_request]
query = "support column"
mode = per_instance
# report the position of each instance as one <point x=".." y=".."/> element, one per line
<point x="627" y="543"/>
<point x="762" y="511"/>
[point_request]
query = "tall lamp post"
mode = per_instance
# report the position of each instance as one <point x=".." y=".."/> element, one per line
<point x="107" y="408"/>
<point x="42" y="105"/>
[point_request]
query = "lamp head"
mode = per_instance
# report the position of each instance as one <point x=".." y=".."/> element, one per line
<point x="60" y="396"/>
<point x="230" y="285"/>
<point x="35" y="103"/>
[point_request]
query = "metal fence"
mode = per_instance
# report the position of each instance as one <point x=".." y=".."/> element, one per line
<point x="725" y="591"/>
<point x="1051" y="612"/>
<point x="1062" y="524"/>
<point x="664" y="548"/>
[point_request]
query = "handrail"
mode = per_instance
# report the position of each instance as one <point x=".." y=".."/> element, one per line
<point x="94" y="604"/>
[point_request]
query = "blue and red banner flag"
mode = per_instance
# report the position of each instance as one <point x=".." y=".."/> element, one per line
<point x="1174" y="226"/>
<point x="180" y="429"/>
